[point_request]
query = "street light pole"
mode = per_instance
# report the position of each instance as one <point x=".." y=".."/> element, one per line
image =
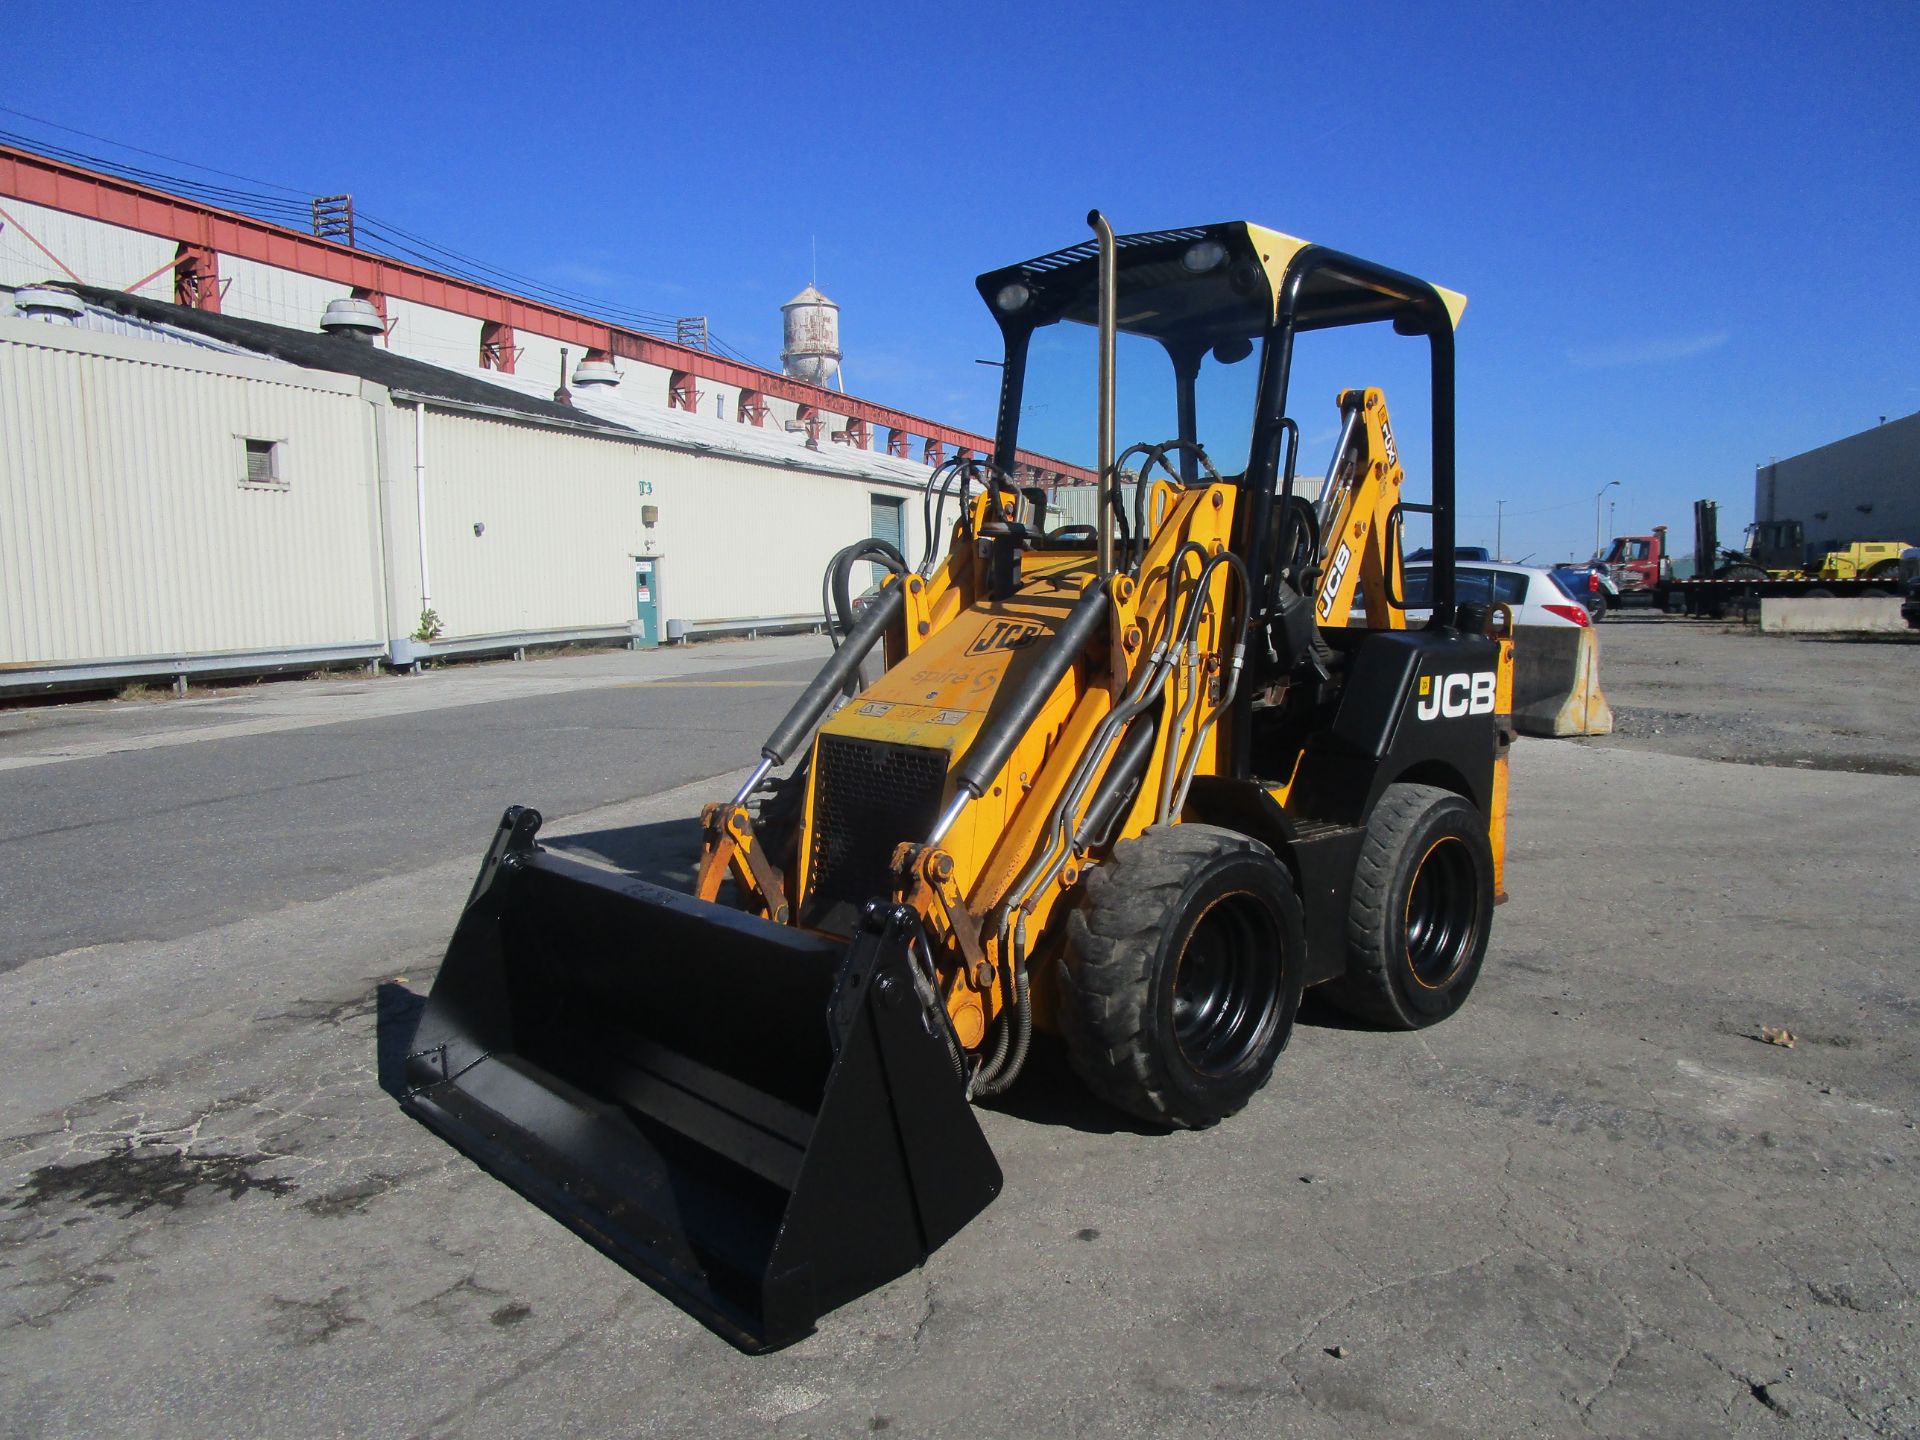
<point x="1499" y="530"/>
<point x="1598" y="496"/>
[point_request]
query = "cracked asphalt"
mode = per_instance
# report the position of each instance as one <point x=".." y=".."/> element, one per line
<point x="1595" y="1202"/>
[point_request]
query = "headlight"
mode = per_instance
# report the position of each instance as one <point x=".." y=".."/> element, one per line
<point x="1204" y="255"/>
<point x="1011" y="298"/>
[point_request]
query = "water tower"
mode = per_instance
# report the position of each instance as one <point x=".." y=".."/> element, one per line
<point x="812" y="349"/>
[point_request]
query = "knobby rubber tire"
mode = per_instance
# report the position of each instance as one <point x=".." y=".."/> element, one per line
<point x="1117" y="986"/>
<point x="1383" y="983"/>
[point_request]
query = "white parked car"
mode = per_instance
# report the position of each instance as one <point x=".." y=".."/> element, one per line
<point x="1536" y="596"/>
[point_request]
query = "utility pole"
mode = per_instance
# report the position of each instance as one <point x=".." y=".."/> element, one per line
<point x="1598" y="495"/>
<point x="1499" y="530"/>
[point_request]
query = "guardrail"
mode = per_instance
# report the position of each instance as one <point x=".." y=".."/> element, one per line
<point x="31" y="679"/>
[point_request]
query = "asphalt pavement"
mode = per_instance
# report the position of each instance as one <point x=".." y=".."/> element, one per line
<point x="1595" y="1202"/>
<point x="150" y="821"/>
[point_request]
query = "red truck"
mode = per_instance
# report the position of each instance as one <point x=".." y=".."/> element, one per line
<point x="1637" y="565"/>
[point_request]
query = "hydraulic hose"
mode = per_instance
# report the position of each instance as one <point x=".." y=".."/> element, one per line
<point x="1128" y="761"/>
<point x="1142" y="693"/>
<point x="1230" y="686"/>
<point x="835" y="581"/>
<point x="939" y="483"/>
<point x="1062" y="835"/>
<point x="1016" y="1035"/>
<point x="1010" y="1052"/>
<point x="1185" y="713"/>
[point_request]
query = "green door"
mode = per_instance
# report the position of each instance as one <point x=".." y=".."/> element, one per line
<point x="886" y="512"/>
<point x="646" y="601"/>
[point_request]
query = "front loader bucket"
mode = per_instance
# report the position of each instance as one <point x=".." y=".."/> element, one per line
<point x="757" y="1121"/>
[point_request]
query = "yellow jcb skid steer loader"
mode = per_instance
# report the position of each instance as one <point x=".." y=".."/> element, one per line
<point x="1137" y="783"/>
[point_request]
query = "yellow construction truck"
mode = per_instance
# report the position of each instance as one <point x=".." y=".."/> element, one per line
<point x="1138" y="784"/>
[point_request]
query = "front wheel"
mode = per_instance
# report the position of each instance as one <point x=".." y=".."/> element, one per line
<point x="1182" y="974"/>
<point x="1421" y="912"/>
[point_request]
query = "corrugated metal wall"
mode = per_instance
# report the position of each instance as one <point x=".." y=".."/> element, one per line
<point x="127" y="531"/>
<point x="279" y="297"/>
<point x="562" y="518"/>
<point x="125" y="528"/>
<point x="744" y="539"/>
<point x="562" y="523"/>
<point x="99" y="253"/>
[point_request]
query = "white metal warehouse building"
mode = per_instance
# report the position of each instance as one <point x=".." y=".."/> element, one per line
<point x="178" y="496"/>
<point x="194" y="479"/>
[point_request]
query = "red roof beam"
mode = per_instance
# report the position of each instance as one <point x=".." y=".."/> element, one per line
<point x="108" y="198"/>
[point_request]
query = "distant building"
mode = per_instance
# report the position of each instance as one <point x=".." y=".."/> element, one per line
<point x="228" y="446"/>
<point x="188" y="493"/>
<point x="1865" y="487"/>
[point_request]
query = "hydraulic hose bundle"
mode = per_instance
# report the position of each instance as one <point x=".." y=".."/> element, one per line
<point x="1063" y="839"/>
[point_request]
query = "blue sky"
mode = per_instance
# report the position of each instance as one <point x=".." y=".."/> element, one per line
<point x="1687" y="232"/>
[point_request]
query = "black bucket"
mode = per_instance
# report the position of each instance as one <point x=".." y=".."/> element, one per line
<point x="759" y="1122"/>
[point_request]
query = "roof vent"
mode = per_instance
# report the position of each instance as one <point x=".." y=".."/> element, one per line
<point x="49" y="303"/>
<point x="596" y="369"/>
<point x="354" y="318"/>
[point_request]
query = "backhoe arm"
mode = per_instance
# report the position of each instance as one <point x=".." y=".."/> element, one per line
<point x="1359" y="524"/>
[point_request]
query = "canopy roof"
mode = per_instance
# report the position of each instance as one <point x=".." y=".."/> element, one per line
<point x="1164" y="296"/>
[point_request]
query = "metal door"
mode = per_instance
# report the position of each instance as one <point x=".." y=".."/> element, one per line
<point x="646" y="601"/>
<point x="886" y="514"/>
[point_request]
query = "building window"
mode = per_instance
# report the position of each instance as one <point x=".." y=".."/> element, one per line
<point x="263" y="464"/>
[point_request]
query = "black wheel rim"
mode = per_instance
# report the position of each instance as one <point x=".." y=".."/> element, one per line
<point x="1442" y="909"/>
<point x="1226" y="988"/>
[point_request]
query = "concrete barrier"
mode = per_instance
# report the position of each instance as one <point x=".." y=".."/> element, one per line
<point x="1556" y="682"/>
<point x="1852" y="615"/>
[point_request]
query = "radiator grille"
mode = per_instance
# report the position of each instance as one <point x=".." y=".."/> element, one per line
<point x="868" y="797"/>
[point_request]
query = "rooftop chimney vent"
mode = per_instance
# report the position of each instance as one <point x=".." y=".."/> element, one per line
<point x="49" y="303"/>
<point x="356" y="319"/>
<point x="595" y="369"/>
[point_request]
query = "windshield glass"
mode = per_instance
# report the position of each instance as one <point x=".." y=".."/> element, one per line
<point x="1059" y="414"/>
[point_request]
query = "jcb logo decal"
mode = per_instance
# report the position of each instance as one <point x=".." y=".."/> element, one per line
<point x="1336" y="572"/>
<point x="1461" y="693"/>
<point x="1386" y="441"/>
<point x="1005" y="635"/>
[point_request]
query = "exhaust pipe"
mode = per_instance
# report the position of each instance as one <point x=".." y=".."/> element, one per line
<point x="1109" y="303"/>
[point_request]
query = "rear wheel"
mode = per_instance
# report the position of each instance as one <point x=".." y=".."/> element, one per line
<point x="1421" y="911"/>
<point x="1818" y="592"/>
<point x="1885" y="570"/>
<point x="1182" y="974"/>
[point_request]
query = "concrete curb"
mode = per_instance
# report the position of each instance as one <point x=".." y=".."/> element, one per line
<point x="1556" y="682"/>
<point x="1831" y="615"/>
